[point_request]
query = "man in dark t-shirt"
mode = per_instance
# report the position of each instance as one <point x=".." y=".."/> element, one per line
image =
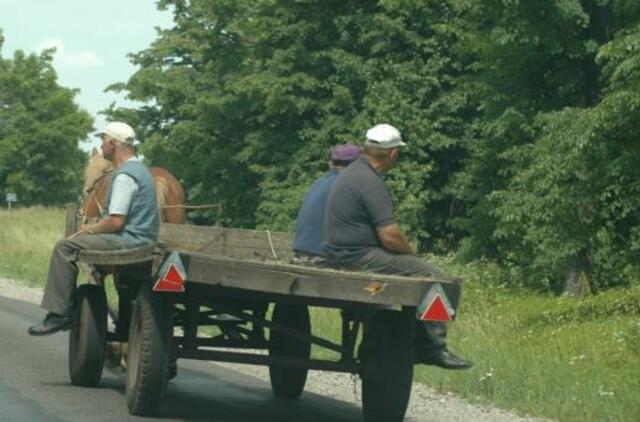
<point x="309" y="239"/>
<point x="361" y="233"/>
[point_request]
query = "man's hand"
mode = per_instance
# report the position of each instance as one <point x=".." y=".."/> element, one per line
<point x="85" y="228"/>
<point x="393" y="240"/>
<point x="111" y="224"/>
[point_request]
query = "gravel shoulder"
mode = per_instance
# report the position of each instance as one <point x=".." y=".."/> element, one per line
<point x="426" y="404"/>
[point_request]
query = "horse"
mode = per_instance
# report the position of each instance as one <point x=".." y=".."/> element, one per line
<point x="171" y="209"/>
<point x="97" y="178"/>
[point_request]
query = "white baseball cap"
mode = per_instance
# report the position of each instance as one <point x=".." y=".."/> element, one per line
<point x="119" y="131"/>
<point x="384" y="136"/>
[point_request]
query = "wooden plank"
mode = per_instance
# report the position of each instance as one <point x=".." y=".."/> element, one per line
<point x="118" y="256"/>
<point x="274" y="277"/>
<point x="70" y="219"/>
<point x="236" y="243"/>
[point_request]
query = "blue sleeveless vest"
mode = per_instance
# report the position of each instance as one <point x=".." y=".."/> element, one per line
<point x="141" y="223"/>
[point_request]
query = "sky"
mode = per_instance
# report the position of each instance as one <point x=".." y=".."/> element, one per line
<point x="92" y="37"/>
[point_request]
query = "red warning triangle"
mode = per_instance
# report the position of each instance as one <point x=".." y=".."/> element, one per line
<point x="437" y="311"/>
<point x="171" y="282"/>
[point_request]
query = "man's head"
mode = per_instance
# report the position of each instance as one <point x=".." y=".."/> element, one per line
<point x="383" y="146"/>
<point x="342" y="155"/>
<point x="117" y="137"/>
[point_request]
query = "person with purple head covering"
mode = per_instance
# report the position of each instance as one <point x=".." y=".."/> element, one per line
<point x="308" y="242"/>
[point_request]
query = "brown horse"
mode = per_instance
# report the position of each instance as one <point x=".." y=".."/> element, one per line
<point x="97" y="178"/>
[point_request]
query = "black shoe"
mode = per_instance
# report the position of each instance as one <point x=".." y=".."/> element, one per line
<point x="52" y="323"/>
<point x="444" y="359"/>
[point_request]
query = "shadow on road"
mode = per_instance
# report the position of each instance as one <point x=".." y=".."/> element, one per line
<point x="229" y="396"/>
<point x="221" y="395"/>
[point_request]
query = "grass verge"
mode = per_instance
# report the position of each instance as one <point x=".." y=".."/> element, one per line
<point x="27" y="237"/>
<point x="568" y="359"/>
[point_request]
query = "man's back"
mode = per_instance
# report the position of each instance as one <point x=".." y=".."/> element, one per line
<point x="358" y="203"/>
<point x="309" y="238"/>
<point x="141" y="224"/>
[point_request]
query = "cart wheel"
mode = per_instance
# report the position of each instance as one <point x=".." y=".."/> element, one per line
<point x="288" y="383"/>
<point x="87" y="337"/>
<point x="150" y="335"/>
<point x="387" y="366"/>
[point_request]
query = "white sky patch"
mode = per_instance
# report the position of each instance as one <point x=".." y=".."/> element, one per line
<point x="70" y="59"/>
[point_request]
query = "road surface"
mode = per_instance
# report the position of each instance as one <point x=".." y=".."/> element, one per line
<point x="34" y="386"/>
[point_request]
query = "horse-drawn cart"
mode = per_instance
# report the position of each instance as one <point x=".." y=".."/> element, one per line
<point x="213" y="294"/>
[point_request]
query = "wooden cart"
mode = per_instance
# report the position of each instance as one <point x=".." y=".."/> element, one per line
<point x="241" y="283"/>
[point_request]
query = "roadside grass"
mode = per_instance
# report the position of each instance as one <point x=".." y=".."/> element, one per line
<point x="26" y="241"/>
<point x="540" y="355"/>
<point x="537" y="354"/>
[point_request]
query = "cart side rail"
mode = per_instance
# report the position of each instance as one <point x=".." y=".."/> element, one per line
<point x="324" y="283"/>
<point x="263" y="245"/>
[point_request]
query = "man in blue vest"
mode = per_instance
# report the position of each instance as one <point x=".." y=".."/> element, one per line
<point x="308" y="244"/>
<point x="130" y="220"/>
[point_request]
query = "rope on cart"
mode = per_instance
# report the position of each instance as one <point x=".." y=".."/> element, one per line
<point x="273" y="250"/>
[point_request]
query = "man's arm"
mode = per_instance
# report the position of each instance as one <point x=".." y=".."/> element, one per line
<point x="393" y="240"/>
<point x="112" y="223"/>
<point x="123" y="189"/>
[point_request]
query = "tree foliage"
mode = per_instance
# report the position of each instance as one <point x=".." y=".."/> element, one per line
<point x="560" y="198"/>
<point x="40" y="127"/>
<point x="520" y="118"/>
<point x="249" y="97"/>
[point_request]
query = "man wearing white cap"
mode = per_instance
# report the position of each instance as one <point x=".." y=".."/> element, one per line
<point x="130" y="220"/>
<point x="361" y="233"/>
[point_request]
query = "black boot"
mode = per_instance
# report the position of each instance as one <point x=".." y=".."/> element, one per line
<point x="431" y="347"/>
<point x="52" y="323"/>
<point x="442" y="358"/>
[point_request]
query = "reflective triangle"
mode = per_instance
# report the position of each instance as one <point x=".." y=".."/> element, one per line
<point x="171" y="281"/>
<point x="435" y="305"/>
<point x="436" y="311"/>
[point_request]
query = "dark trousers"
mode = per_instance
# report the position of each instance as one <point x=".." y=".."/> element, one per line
<point x="63" y="272"/>
<point x="431" y="335"/>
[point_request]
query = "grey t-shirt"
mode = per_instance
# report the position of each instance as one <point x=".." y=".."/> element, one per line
<point x="359" y="202"/>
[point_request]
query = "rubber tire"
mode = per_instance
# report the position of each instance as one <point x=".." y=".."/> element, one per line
<point x="387" y="366"/>
<point x="150" y="335"/>
<point x="288" y="383"/>
<point x="87" y="337"/>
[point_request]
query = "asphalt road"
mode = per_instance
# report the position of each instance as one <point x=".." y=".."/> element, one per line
<point x="34" y="386"/>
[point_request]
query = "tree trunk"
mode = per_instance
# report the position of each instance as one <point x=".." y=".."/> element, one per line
<point x="576" y="284"/>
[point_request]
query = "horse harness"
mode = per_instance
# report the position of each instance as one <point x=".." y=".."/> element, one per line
<point x="92" y="188"/>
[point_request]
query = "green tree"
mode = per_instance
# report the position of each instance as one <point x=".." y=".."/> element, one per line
<point x="40" y="127"/>
<point x="514" y="112"/>
<point x="576" y="202"/>
<point x="550" y="184"/>
<point x="193" y="122"/>
<point x="245" y="99"/>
